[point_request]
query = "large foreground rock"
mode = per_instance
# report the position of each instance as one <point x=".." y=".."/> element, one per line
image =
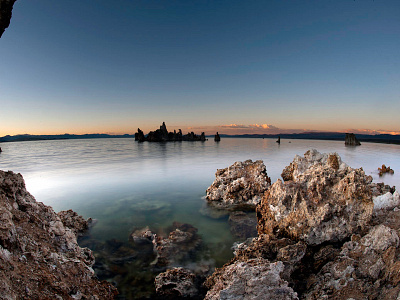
<point x="325" y="200"/>
<point x="318" y="238"/>
<point x="240" y="186"/>
<point x="39" y="254"/>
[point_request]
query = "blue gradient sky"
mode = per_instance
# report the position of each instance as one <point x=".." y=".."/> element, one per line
<point x="97" y="66"/>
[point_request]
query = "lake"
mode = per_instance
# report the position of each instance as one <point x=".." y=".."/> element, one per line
<point x="126" y="185"/>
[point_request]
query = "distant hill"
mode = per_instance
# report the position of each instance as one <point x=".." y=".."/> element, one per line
<point x="334" y="136"/>
<point x="28" y="137"/>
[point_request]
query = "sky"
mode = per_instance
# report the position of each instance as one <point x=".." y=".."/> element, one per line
<point x="276" y="66"/>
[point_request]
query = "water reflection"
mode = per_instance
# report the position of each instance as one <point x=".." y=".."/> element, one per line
<point x="127" y="185"/>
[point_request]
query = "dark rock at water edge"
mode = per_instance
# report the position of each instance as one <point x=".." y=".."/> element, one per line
<point x="162" y="135"/>
<point x="351" y="140"/>
<point x="6" y="7"/>
<point x="217" y="138"/>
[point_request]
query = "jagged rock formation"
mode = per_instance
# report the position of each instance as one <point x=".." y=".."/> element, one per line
<point x="162" y="135"/>
<point x="319" y="238"/>
<point x="6" y="7"/>
<point x="325" y="202"/>
<point x="239" y="187"/>
<point x="217" y="138"/>
<point x="39" y="254"/>
<point x="384" y="170"/>
<point x="351" y="140"/>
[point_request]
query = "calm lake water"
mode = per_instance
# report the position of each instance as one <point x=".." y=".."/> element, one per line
<point x="127" y="185"/>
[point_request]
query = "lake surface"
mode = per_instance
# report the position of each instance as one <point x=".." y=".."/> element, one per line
<point x="126" y="185"/>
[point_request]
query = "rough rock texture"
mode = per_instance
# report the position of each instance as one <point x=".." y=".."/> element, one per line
<point x="182" y="242"/>
<point x="387" y="201"/>
<point x="351" y="140"/>
<point x="326" y="202"/>
<point x="162" y="135"/>
<point x="365" y="266"/>
<point x="39" y="254"/>
<point x="240" y="186"/>
<point x="319" y="228"/>
<point x="252" y="279"/>
<point x="243" y="225"/>
<point x="6" y="7"/>
<point x="176" y="283"/>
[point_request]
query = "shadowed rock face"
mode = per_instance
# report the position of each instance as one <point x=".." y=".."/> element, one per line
<point x="6" y="7"/>
<point x="39" y="254"/>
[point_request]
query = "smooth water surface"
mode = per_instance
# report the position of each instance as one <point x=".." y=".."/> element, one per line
<point x="127" y="185"/>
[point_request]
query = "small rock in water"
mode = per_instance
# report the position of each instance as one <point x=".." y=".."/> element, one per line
<point x="384" y="170"/>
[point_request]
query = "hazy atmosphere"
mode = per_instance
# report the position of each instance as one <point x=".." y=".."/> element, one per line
<point x="228" y="66"/>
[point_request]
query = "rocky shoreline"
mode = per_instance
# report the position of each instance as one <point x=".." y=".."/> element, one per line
<point x="39" y="254"/>
<point x="323" y="232"/>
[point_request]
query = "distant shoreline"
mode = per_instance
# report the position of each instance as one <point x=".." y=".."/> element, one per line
<point x="331" y="136"/>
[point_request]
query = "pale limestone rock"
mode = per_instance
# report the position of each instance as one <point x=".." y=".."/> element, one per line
<point x="325" y="200"/>
<point x="240" y="186"/>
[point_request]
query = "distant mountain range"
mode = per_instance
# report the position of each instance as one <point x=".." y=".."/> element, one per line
<point x="336" y="136"/>
<point x="29" y="137"/>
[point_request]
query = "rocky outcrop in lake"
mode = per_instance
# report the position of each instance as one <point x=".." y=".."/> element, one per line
<point x="217" y="138"/>
<point x="239" y="187"/>
<point x="39" y="254"/>
<point x="6" y="7"/>
<point x="323" y="233"/>
<point x="324" y="201"/>
<point x="162" y="135"/>
<point x="382" y="170"/>
<point x="351" y="140"/>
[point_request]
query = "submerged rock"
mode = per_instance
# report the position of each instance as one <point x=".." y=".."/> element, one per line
<point x="39" y="254"/>
<point x="239" y="187"/>
<point x="351" y="140"/>
<point x="180" y="244"/>
<point x="325" y="202"/>
<point x="176" y="283"/>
